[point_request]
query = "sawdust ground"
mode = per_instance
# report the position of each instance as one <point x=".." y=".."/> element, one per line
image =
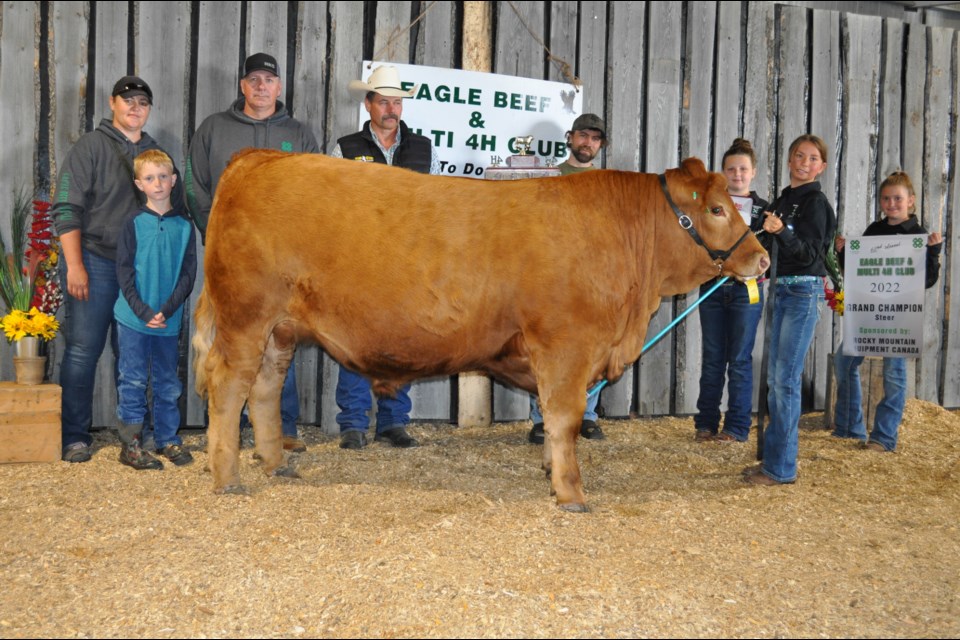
<point x="460" y="538"/>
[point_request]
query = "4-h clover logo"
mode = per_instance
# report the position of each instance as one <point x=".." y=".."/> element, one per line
<point x="286" y="146"/>
<point x="917" y="243"/>
<point x="855" y="245"/>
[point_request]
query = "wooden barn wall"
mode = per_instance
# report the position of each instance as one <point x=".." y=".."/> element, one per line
<point x="671" y="79"/>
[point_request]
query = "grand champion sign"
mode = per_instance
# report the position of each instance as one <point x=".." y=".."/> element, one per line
<point x="473" y="118"/>
<point x="883" y="296"/>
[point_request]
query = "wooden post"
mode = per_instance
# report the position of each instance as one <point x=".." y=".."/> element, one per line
<point x="475" y="406"/>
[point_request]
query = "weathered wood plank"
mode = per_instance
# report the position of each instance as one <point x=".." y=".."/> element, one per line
<point x="68" y="77"/>
<point x="517" y="54"/>
<point x="266" y="30"/>
<point x="625" y="115"/>
<point x="592" y="64"/>
<point x="759" y="99"/>
<point x="696" y="140"/>
<point x="216" y="87"/>
<point x="391" y="42"/>
<point x="914" y="94"/>
<point x="950" y="269"/>
<point x="437" y="35"/>
<point x="346" y="55"/>
<point x="824" y="121"/>
<point x="938" y="174"/>
<point x="793" y="62"/>
<point x="110" y="53"/>
<point x="889" y="148"/>
<point x="728" y="84"/>
<point x="20" y="105"/>
<point x="856" y="204"/>
<point x="664" y="93"/>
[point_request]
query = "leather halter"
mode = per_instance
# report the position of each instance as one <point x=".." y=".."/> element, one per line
<point x="718" y="257"/>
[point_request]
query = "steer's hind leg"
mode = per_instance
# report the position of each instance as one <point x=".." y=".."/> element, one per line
<point x="227" y="395"/>
<point x="264" y="405"/>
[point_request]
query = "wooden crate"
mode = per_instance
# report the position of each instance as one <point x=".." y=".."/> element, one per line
<point x="29" y="422"/>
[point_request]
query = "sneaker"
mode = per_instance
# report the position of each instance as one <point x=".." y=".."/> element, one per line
<point x="591" y="430"/>
<point x="536" y="434"/>
<point x="133" y="456"/>
<point x="292" y="443"/>
<point x="176" y="454"/>
<point x="353" y="439"/>
<point x="397" y="437"/>
<point x="77" y="452"/>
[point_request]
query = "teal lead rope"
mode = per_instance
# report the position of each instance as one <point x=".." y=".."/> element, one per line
<point x="600" y="385"/>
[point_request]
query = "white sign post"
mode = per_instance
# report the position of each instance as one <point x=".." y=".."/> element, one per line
<point x="474" y="118"/>
<point x="883" y="296"/>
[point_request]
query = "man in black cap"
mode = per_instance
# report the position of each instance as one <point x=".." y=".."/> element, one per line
<point x="584" y="140"/>
<point x="95" y="194"/>
<point x="256" y="119"/>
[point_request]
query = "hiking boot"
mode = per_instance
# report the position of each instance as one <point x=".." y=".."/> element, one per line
<point x="353" y="439"/>
<point x="536" y="434"/>
<point x="397" y="437"/>
<point x="133" y="456"/>
<point x="77" y="452"/>
<point x="176" y="454"/>
<point x="591" y="430"/>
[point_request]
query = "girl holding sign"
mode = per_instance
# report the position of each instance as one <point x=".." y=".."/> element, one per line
<point x="898" y="203"/>
<point x="729" y="319"/>
<point x="799" y="231"/>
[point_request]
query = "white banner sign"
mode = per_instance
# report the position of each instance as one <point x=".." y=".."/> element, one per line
<point x="473" y="118"/>
<point x="883" y="295"/>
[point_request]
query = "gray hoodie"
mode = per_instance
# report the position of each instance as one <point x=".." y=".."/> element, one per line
<point x="222" y="135"/>
<point x="95" y="189"/>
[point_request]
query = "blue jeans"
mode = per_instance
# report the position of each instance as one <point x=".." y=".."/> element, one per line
<point x="149" y="359"/>
<point x="728" y="326"/>
<point x="796" y="310"/>
<point x="353" y="398"/>
<point x="848" y="412"/>
<point x="589" y="414"/>
<point x="85" y="328"/>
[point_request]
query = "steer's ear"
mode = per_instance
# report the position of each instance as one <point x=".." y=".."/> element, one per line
<point x="694" y="167"/>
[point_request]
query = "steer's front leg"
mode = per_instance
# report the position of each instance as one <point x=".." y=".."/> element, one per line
<point x="562" y="415"/>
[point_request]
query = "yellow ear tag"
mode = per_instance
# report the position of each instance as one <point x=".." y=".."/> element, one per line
<point x="753" y="290"/>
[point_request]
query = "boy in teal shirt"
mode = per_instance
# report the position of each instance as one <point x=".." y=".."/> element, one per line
<point x="156" y="267"/>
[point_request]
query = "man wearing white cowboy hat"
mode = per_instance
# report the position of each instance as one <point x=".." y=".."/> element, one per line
<point x="386" y="139"/>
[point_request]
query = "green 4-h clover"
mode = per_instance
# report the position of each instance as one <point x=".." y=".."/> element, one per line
<point x="855" y="245"/>
<point x="917" y="243"/>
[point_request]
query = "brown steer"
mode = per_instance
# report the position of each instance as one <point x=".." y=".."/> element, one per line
<point x="546" y="284"/>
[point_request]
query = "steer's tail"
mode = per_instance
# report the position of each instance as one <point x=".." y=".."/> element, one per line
<point x="202" y="341"/>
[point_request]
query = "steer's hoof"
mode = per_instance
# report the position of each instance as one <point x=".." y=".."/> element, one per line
<point x="575" y="507"/>
<point x="234" y="490"/>
<point x="285" y="472"/>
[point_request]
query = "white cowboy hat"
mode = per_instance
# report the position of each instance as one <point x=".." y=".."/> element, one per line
<point x="384" y="80"/>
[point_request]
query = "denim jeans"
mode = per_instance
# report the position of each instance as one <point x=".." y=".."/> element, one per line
<point x="353" y="398"/>
<point x="796" y="310"/>
<point x="149" y="359"/>
<point x="589" y="414"/>
<point x="848" y="412"/>
<point x="728" y="327"/>
<point x="85" y="327"/>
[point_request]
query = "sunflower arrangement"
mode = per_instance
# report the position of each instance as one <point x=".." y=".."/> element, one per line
<point x="29" y="285"/>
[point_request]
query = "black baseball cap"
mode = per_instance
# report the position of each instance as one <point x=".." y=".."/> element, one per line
<point x="129" y="86"/>
<point x="261" y="62"/>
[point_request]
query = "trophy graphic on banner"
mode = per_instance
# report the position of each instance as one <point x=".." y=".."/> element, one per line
<point x="520" y="165"/>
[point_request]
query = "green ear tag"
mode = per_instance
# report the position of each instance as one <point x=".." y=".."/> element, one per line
<point x="694" y="195"/>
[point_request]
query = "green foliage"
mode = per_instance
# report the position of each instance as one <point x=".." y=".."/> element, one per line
<point x="833" y="266"/>
<point x="15" y="287"/>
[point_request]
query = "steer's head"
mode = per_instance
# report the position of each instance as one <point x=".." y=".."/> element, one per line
<point x="726" y="245"/>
